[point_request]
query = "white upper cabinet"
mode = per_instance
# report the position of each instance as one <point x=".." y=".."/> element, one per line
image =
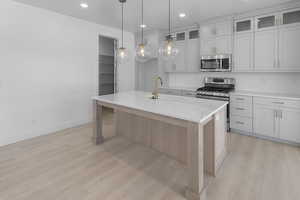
<point x="291" y="17"/>
<point x="243" y="26"/>
<point x="208" y="47"/>
<point x="224" y="45"/>
<point x="193" y="52"/>
<point x="266" y="43"/>
<point x="266" y="22"/>
<point x="289" y="43"/>
<point x="224" y="28"/>
<point x="188" y="57"/>
<point x="243" y="45"/>
<point x="265" y="50"/>
<point x="207" y="31"/>
<point x="179" y="64"/>
<point x="243" y="52"/>
<point x="216" y="38"/>
<point x="289" y="48"/>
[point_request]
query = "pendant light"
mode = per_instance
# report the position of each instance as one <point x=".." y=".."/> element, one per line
<point x="144" y="52"/>
<point x="168" y="50"/>
<point x="123" y="53"/>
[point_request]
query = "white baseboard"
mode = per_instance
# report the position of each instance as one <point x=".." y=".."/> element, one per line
<point x="47" y="131"/>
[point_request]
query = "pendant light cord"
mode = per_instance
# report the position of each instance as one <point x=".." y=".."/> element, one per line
<point x="142" y="26"/>
<point x="122" y="25"/>
<point x="170" y="17"/>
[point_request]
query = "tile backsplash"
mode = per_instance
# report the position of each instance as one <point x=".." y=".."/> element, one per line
<point x="259" y="82"/>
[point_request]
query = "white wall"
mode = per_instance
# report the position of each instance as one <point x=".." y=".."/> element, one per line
<point x="260" y="82"/>
<point x="49" y="70"/>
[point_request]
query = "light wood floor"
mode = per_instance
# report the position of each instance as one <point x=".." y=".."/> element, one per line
<point x="68" y="166"/>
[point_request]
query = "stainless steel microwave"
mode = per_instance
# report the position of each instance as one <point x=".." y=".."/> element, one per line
<point x="216" y="63"/>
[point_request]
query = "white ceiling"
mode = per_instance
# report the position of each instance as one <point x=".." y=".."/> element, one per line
<point x="107" y="12"/>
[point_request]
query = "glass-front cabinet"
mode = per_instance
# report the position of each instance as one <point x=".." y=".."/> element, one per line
<point x="271" y="21"/>
<point x="290" y="17"/>
<point x="266" y="22"/>
<point x="242" y="26"/>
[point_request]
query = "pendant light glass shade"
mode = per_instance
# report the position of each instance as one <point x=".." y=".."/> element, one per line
<point x="122" y="53"/>
<point x="144" y="51"/>
<point x="168" y="50"/>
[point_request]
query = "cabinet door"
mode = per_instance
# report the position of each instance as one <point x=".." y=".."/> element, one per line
<point x="208" y="31"/>
<point x="193" y="55"/>
<point x="179" y="61"/>
<point x="242" y="26"/>
<point x="208" y="47"/>
<point x="289" y="125"/>
<point x="223" y="45"/>
<point x="265" y="22"/>
<point x="265" y="50"/>
<point x="264" y="121"/>
<point x="291" y="17"/>
<point x="289" y="48"/>
<point x="224" y="28"/>
<point x="243" y="52"/>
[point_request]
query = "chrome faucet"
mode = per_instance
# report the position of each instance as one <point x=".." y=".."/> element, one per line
<point x="155" y="93"/>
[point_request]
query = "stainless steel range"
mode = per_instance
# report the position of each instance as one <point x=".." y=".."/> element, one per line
<point x="217" y="89"/>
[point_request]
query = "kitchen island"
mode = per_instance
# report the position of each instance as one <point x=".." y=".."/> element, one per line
<point x="190" y="130"/>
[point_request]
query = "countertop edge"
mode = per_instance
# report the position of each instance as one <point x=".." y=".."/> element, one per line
<point x="95" y="98"/>
<point x="267" y="95"/>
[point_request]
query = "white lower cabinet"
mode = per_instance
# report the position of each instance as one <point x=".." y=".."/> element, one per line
<point x="241" y="123"/>
<point x="273" y="118"/>
<point x="290" y="125"/>
<point x="264" y="121"/>
<point x="241" y="113"/>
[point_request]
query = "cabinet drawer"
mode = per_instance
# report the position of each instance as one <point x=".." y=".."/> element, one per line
<point x="241" y="109"/>
<point x="241" y="123"/>
<point x="241" y="99"/>
<point x="276" y="102"/>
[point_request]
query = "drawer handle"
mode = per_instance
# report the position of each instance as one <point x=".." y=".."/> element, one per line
<point x="240" y="99"/>
<point x="238" y="122"/>
<point x="239" y="108"/>
<point x="276" y="102"/>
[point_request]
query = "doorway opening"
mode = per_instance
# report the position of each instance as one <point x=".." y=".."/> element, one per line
<point x="107" y="65"/>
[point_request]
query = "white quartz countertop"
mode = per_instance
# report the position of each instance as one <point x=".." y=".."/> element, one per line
<point x="179" y="107"/>
<point x="268" y="95"/>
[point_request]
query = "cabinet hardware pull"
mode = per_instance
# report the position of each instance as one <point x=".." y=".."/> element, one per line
<point x="238" y="122"/>
<point x="239" y="108"/>
<point x="280" y="114"/>
<point x="240" y="99"/>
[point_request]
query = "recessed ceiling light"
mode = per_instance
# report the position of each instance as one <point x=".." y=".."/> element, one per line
<point x="84" y="5"/>
<point x="182" y="15"/>
<point x="143" y="25"/>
